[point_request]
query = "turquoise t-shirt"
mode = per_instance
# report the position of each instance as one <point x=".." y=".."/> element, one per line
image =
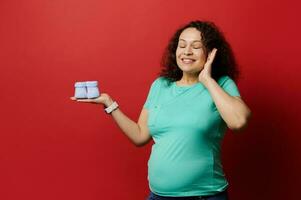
<point x="187" y="130"/>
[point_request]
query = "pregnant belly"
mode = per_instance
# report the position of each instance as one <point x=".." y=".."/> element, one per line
<point x="170" y="176"/>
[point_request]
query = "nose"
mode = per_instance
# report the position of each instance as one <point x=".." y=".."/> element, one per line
<point x="187" y="51"/>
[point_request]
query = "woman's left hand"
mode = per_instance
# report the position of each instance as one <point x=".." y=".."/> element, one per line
<point x="205" y="74"/>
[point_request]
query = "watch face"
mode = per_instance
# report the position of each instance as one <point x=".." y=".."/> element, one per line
<point x="112" y="107"/>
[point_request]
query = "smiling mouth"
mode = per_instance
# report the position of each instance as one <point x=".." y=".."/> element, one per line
<point x="187" y="60"/>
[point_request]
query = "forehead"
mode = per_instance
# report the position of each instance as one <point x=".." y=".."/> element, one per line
<point x="190" y="34"/>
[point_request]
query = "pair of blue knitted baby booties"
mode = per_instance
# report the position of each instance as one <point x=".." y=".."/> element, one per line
<point x="86" y="90"/>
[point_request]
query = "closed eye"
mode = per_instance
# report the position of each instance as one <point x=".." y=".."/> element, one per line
<point x="197" y="47"/>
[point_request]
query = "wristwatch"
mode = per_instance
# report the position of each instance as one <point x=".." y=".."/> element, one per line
<point x="112" y="107"/>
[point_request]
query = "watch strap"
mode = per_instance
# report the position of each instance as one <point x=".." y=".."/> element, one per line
<point x="112" y="107"/>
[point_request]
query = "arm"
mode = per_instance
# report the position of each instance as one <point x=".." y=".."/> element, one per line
<point x="138" y="133"/>
<point x="232" y="109"/>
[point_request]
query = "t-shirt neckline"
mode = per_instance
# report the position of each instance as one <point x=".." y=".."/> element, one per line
<point x="184" y="86"/>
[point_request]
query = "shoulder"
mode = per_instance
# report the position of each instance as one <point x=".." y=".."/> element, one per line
<point x="229" y="85"/>
<point x="225" y="80"/>
<point x="160" y="81"/>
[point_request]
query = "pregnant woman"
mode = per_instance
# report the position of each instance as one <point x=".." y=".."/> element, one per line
<point x="189" y="107"/>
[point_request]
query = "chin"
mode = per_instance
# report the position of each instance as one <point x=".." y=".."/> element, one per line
<point x="191" y="69"/>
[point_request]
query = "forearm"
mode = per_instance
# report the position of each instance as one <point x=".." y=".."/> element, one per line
<point x="232" y="109"/>
<point x="128" y="127"/>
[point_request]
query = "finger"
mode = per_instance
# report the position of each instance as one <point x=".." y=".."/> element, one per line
<point x="85" y="100"/>
<point x="211" y="55"/>
<point x="73" y="98"/>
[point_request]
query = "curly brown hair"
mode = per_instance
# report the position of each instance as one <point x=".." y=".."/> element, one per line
<point x="224" y="62"/>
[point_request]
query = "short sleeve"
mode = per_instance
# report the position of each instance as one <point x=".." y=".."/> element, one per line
<point x="229" y="86"/>
<point x="151" y="94"/>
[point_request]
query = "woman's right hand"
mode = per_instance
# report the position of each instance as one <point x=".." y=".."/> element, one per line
<point x="104" y="99"/>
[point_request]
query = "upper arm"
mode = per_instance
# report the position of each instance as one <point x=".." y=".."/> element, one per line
<point x="145" y="136"/>
<point x="231" y="88"/>
<point x="247" y="114"/>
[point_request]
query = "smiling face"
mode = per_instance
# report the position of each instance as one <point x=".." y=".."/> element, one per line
<point x="190" y="52"/>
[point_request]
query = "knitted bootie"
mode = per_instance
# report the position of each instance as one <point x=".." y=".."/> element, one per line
<point x="92" y="89"/>
<point x="80" y="90"/>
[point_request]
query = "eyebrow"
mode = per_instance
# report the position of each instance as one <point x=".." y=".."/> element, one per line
<point x="192" y="41"/>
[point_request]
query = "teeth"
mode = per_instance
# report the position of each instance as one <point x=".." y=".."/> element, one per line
<point x="187" y="60"/>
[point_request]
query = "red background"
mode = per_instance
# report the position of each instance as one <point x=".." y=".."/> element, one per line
<point x="53" y="148"/>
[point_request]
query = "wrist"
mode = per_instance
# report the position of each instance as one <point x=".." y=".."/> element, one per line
<point x="111" y="108"/>
<point x="108" y="102"/>
<point x="207" y="81"/>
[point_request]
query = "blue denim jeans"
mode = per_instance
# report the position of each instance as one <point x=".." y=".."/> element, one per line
<point x="220" y="196"/>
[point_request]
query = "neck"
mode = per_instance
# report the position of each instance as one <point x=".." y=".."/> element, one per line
<point x="189" y="79"/>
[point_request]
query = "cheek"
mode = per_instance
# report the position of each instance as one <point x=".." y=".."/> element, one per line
<point x="178" y="52"/>
<point x="201" y="56"/>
